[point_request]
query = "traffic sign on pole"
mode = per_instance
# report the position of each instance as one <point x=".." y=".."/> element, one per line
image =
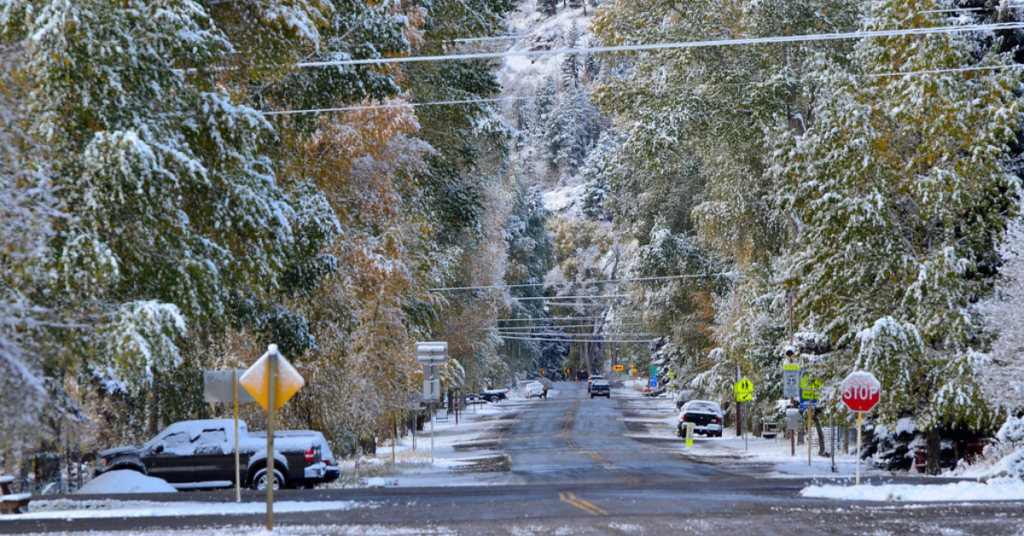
<point x="618" y="368"/>
<point x="744" y="390"/>
<point x="791" y="380"/>
<point x="271" y="380"/>
<point x="287" y="380"/>
<point x="809" y="388"/>
<point x="861" y="392"/>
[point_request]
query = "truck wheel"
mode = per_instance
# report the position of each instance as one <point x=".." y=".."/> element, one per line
<point x="259" y="482"/>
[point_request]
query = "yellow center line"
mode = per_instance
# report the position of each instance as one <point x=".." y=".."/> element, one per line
<point x="587" y="507"/>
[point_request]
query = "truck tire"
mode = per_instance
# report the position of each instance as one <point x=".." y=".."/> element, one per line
<point x="259" y="480"/>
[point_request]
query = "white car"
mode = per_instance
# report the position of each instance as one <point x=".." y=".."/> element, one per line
<point x="590" y="381"/>
<point x="534" y="389"/>
<point x="706" y="416"/>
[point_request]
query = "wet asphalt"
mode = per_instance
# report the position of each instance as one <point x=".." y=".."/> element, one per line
<point x="578" y="465"/>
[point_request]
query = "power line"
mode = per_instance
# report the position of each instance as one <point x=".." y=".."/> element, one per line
<point x="591" y="281"/>
<point x="537" y="298"/>
<point x="393" y="106"/>
<point x="531" y="97"/>
<point x="576" y="340"/>
<point x="543" y="319"/>
<point x="950" y="70"/>
<point x="527" y="328"/>
<point x="678" y="45"/>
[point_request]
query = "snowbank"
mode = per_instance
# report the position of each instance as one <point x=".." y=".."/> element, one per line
<point x="123" y="509"/>
<point x="125" y="481"/>
<point x="1001" y="490"/>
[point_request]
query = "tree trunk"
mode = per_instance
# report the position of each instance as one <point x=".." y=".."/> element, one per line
<point x="821" y="434"/>
<point x="934" y="450"/>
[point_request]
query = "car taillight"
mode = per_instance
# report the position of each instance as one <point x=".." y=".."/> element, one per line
<point x="684" y="417"/>
<point x="327" y="463"/>
<point x="718" y="420"/>
<point x="310" y="454"/>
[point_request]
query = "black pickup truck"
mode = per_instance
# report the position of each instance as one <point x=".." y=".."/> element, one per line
<point x="202" y="454"/>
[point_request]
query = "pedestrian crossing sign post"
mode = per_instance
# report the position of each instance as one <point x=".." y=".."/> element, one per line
<point x="744" y="390"/>
<point x="689" y="434"/>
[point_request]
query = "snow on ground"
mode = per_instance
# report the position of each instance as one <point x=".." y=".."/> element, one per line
<point x="64" y="509"/>
<point x="776" y="453"/>
<point x="995" y="490"/>
<point x="541" y="32"/>
<point x="564" y="200"/>
<point x="125" y="481"/>
<point x="463" y="454"/>
<point x="285" y="530"/>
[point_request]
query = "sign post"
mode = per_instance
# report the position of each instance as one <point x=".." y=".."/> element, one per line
<point x="689" y="434"/>
<point x="744" y="390"/>
<point x="271" y="381"/>
<point x="431" y="355"/>
<point x="861" y="393"/>
<point x="215" y="389"/>
<point x="808" y="396"/>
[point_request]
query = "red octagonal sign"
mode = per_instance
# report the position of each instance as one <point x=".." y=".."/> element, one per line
<point x="861" y="391"/>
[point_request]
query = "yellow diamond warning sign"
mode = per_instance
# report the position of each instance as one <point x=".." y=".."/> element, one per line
<point x="287" y="379"/>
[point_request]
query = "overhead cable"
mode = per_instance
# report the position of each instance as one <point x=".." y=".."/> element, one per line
<point x="398" y="105"/>
<point x="530" y="97"/>
<point x="580" y="297"/>
<point x="679" y="44"/>
<point x="591" y="282"/>
<point x="576" y="340"/>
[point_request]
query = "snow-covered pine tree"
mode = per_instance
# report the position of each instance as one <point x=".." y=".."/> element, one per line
<point x="1004" y="317"/>
<point x="29" y="207"/>
<point x="571" y="65"/>
<point x="899" y="191"/>
<point x="172" y="205"/>
<point x="548" y="7"/>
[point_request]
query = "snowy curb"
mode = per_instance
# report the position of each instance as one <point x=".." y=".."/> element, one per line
<point x="1003" y="490"/>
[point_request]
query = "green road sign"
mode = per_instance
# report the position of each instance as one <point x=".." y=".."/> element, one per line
<point x="809" y="388"/>
<point x="744" y="390"/>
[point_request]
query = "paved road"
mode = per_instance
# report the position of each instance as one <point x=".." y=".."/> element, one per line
<point x="573" y="470"/>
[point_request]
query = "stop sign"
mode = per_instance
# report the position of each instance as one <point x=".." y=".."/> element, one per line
<point x="861" y="391"/>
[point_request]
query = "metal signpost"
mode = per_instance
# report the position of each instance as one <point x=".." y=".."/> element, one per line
<point x="222" y="386"/>
<point x="431" y="355"/>
<point x="271" y="381"/>
<point x="809" y="395"/>
<point x="744" y="390"/>
<point x="861" y="393"/>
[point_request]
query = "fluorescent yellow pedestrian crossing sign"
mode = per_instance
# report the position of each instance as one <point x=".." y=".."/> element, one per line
<point x="744" y="390"/>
